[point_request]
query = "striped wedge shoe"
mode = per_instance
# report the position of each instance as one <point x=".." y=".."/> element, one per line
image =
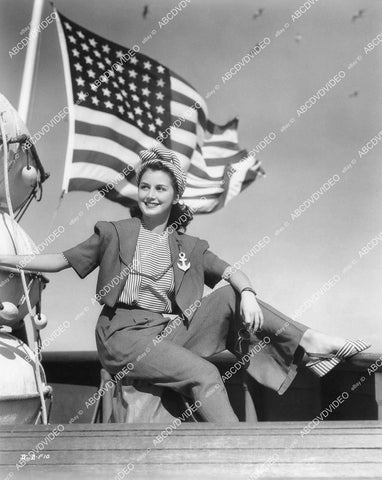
<point x="326" y="362"/>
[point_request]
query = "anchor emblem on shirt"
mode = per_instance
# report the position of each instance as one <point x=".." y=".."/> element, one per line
<point x="182" y="262"/>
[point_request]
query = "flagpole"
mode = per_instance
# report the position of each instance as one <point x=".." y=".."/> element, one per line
<point x="30" y="60"/>
<point x="70" y="100"/>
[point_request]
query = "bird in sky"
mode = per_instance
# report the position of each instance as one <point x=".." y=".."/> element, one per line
<point x="145" y="11"/>
<point x="354" y="94"/>
<point x="358" y="15"/>
<point x="298" y="38"/>
<point x="258" y="13"/>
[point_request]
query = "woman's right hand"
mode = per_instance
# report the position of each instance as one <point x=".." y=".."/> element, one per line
<point x="251" y="312"/>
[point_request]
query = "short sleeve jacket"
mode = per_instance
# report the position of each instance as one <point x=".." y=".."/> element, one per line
<point x="111" y="248"/>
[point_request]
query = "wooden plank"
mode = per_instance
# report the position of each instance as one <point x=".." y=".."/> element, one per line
<point x="203" y="472"/>
<point x="258" y="441"/>
<point x="183" y="433"/>
<point x="207" y="456"/>
<point x="203" y="426"/>
<point x="186" y="434"/>
<point x="196" y="442"/>
<point x="198" y="471"/>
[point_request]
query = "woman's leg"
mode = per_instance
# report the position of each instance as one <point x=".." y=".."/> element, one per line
<point x="275" y="351"/>
<point x="215" y="327"/>
<point x="161" y="362"/>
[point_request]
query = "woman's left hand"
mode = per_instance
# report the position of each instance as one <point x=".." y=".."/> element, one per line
<point x="251" y="312"/>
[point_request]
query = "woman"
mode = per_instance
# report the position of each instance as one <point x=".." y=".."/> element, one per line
<point x="150" y="283"/>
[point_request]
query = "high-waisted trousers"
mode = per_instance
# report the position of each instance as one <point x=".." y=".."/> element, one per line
<point x="171" y="353"/>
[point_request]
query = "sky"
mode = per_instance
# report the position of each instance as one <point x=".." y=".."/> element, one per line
<point x="304" y="252"/>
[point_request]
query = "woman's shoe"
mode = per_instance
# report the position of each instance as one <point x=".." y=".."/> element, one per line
<point x="326" y="362"/>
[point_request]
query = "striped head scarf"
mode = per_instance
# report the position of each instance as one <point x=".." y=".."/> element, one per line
<point x="168" y="160"/>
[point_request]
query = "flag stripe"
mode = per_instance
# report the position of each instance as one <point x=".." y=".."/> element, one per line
<point x="101" y="144"/>
<point x="180" y="88"/>
<point x="223" y="129"/>
<point x="178" y="97"/>
<point x="98" y="172"/>
<point x="99" y="158"/>
<point x="198" y="173"/>
<point x="186" y="124"/>
<point x="222" y="144"/>
<point x="182" y="148"/>
<point x="109" y="134"/>
<point x="186" y="138"/>
<point x="208" y="196"/>
<point x="229" y="155"/>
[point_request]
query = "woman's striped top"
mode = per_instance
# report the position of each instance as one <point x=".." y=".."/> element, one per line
<point x="150" y="283"/>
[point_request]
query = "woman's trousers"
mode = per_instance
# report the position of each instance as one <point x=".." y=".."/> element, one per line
<point x="171" y="352"/>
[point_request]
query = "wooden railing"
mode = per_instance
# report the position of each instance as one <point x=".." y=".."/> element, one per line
<point x="75" y="375"/>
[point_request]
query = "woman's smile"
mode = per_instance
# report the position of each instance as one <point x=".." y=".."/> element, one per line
<point x="150" y="204"/>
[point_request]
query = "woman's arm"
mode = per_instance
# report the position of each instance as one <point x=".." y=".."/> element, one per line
<point x="215" y="269"/>
<point x="49" y="262"/>
<point x="249" y="308"/>
<point x="237" y="279"/>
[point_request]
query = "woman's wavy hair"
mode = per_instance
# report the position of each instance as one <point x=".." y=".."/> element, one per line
<point x="180" y="214"/>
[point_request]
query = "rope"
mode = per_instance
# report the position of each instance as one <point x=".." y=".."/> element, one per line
<point x="54" y="213"/>
<point x="36" y="334"/>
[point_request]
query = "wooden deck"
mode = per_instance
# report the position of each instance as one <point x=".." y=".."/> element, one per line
<point x="199" y="451"/>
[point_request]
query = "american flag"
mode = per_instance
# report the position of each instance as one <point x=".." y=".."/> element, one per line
<point x="120" y="102"/>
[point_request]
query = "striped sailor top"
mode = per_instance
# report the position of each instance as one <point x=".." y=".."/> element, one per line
<point x="150" y="283"/>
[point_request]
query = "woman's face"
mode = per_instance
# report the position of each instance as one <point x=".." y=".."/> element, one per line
<point x="156" y="194"/>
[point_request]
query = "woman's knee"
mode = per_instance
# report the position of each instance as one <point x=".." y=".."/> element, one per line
<point x="228" y="291"/>
<point x="210" y="382"/>
<point x="224" y="295"/>
<point x="209" y="375"/>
